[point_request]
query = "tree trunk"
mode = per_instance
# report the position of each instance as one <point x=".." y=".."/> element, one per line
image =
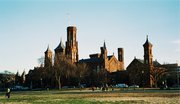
<point x="59" y="83"/>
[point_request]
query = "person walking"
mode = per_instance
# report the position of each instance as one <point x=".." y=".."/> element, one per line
<point x="8" y="93"/>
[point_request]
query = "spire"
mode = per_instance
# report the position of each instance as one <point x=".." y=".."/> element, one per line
<point x="147" y="37"/>
<point x="48" y="47"/>
<point x="60" y="46"/>
<point x="147" y="43"/>
<point x="104" y="45"/>
<point x="48" y="50"/>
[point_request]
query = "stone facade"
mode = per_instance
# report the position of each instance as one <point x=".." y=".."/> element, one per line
<point x="138" y="73"/>
<point x="72" y="44"/>
<point x="139" y="70"/>
<point x="103" y="61"/>
<point x="70" y="51"/>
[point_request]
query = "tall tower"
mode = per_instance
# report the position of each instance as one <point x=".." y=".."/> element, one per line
<point x="48" y="58"/>
<point x="59" y="52"/>
<point x="104" y="55"/>
<point x="148" y="61"/>
<point x="148" y="57"/>
<point x="104" y="51"/>
<point x="71" y="44"/>
<point x="121" y="57"/>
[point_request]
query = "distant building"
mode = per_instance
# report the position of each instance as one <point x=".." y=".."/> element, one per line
<point x="101" y="60"/>
<point x="96" y="61"/>
<point x="172" y="77"/>
<point x="139" y="70"/>
<point x="149" y="73"/>
<point x="104" y="67"/>
<point x="70" y="51"/>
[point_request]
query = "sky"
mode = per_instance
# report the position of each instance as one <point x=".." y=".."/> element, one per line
<point x="27" y="27"/>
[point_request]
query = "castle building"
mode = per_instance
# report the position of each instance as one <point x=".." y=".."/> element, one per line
<point x="101" y="60"/>
<point x="139" y="70"/>
<point x="103" y="68"/>
<point x="70" y="51"/>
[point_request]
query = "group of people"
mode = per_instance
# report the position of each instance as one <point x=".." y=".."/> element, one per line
<point x="103" y="88"/>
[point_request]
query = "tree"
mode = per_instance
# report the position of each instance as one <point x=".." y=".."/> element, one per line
<point x="171" y="78"/>
<point x="102" y="76"/>
<point x="64" y="68"/>
<point x="81" y="71"/>
<point x="166" y="74"/>
<point x="41" y="61"/>
<point x="156" y="74"/>
<point x="7" y="79"/>
<point x="17" y="78"/>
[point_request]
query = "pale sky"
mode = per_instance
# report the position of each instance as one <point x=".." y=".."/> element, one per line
<point x="28" y="26"/>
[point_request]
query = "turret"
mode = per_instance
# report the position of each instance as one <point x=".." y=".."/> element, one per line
<point x="72" y="44"/>
<point x="48" y="57"/>
<point x="59" y="52"/>
<point x="104" y="51"/>
<point x="148" y="56"/>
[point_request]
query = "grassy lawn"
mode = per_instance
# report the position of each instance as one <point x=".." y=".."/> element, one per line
<point x="90" y="97"/>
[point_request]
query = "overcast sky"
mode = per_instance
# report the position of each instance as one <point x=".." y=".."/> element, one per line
<point x="28" y="26"/>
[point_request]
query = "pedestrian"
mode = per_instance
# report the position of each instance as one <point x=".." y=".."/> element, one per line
<point x="8" y="92"/>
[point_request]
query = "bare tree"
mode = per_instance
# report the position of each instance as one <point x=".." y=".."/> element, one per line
<point x="41" y="61"/>
<point x="7" y="79"/>
<point x="81" y="71"/>
<point x="156" y="74"/>
<point x="102" y="76"/>
<point x="64" y="67"/>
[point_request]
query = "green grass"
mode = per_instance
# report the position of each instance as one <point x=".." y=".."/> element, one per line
<point x="86" y="97"/>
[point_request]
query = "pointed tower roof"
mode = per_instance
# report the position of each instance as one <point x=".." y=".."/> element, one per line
<point x="60" y="46"/>
<point x="104" y="46"/>
<point x="147" y="43"/>
<point x="48" y="50"/>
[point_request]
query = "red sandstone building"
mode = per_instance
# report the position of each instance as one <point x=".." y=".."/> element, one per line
<point x="70" y="51"/>
<point x="96" y="61"/>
